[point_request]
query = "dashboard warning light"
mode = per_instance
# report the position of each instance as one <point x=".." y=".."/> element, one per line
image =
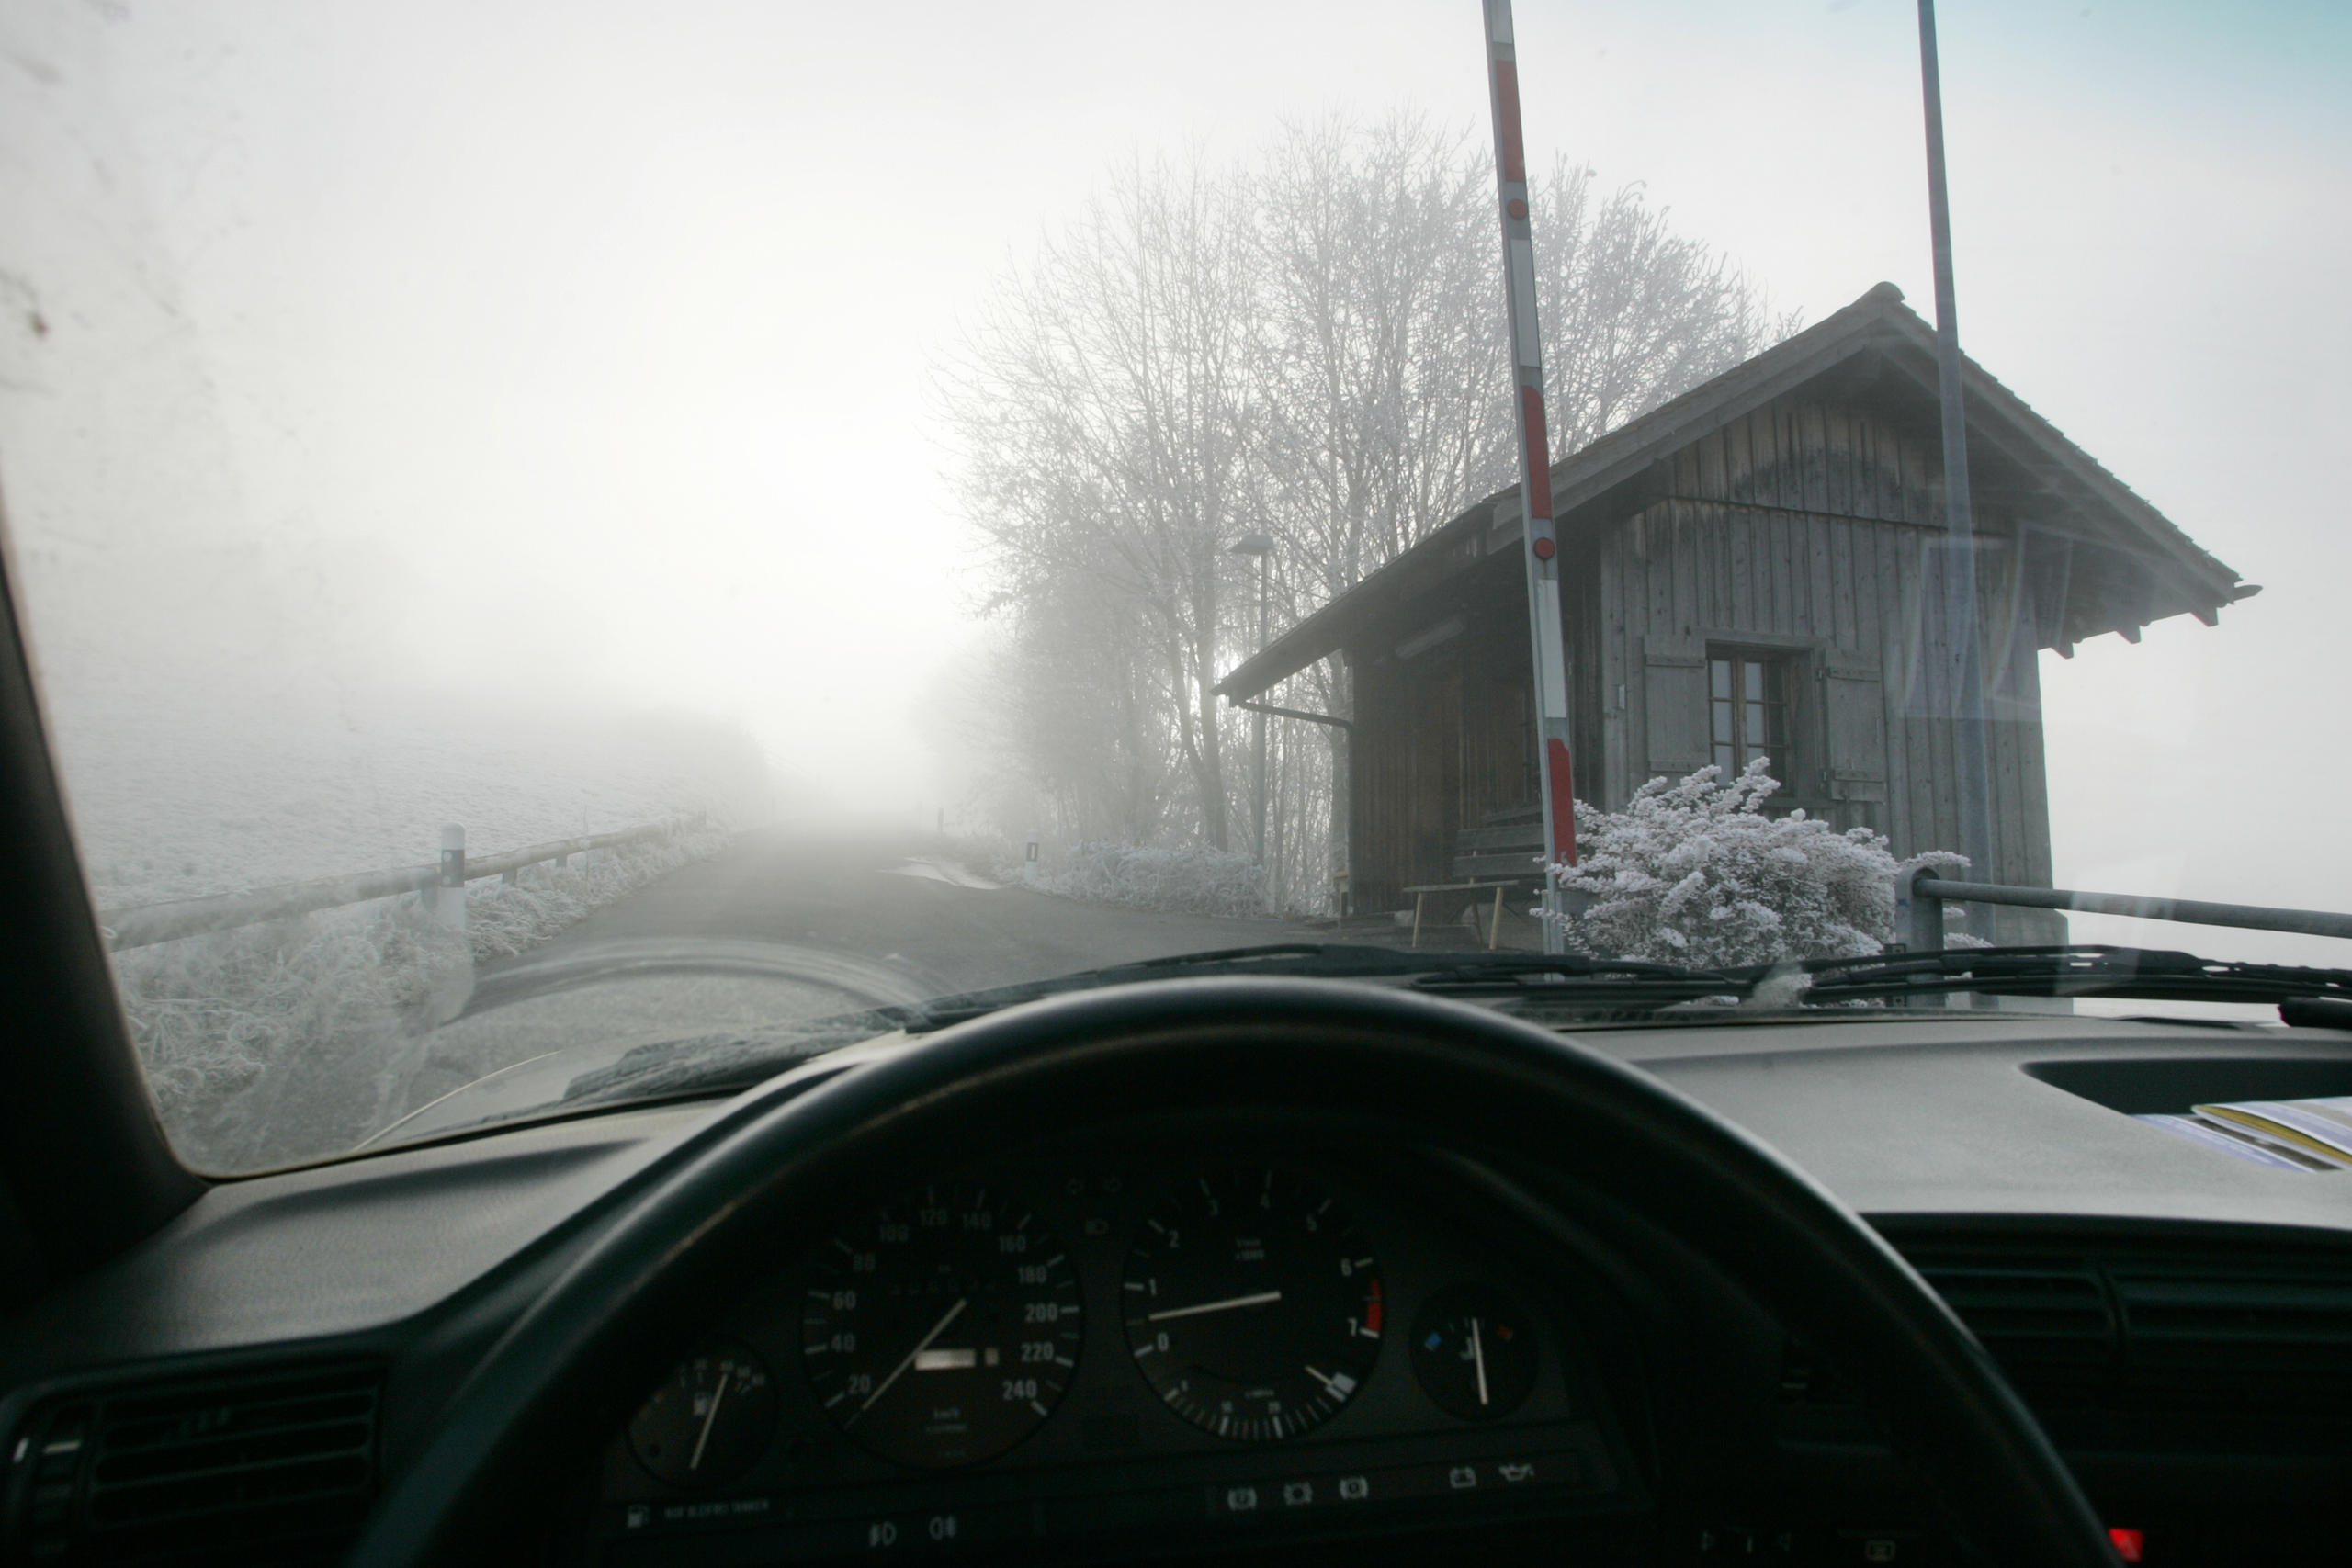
<point x="2129" y="1544"/>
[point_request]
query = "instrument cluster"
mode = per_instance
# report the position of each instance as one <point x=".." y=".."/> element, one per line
<point x="1226" y="1314"/>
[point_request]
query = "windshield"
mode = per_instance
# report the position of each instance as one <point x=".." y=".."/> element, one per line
<point x="564" y="540"/>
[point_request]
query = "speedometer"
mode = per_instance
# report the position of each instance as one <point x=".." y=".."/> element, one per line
<point x="1253" y="1304"/>
<point x="944" y="1330"/>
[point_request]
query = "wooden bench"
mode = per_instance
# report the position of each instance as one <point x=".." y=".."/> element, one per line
<point x="1495" y="926"/>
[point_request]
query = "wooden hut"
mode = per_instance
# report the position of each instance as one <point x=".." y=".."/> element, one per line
<point x="1748" y="570"/>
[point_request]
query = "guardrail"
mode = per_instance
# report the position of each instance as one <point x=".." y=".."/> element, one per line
<point x="1921" y="896"/>
<point x="151" y="923"/>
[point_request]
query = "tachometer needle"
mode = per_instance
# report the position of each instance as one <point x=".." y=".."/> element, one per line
<point x="1263" y="1298"/>
<point x="694" y="1460"/>
<point x="925" y="1344"/>
<point x="1478" y="1360"/>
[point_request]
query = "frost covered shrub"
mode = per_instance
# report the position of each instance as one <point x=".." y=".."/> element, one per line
<point x="277" y="1042"/>
<point x="1693" y="873"/>
<point x="504" y="921"/>
<point x="1188" y="880"/>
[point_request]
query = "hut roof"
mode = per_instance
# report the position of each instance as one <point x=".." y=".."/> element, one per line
<point x="1878" y="324"/>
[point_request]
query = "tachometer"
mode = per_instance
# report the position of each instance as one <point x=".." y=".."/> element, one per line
<point x="1252" y="1304"/>
<point x="944" y="1330"/>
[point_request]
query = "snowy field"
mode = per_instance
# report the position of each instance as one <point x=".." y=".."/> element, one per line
<point x="183" y="794"/>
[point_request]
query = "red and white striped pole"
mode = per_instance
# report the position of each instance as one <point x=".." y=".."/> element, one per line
<point x="1543" y="549"/>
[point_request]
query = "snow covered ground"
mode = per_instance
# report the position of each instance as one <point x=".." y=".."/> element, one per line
<point x="268" y="1045"/>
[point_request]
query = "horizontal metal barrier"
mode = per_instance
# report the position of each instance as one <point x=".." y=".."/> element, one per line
<point x="151" y="923"/>
<point x="1921" y="897"/>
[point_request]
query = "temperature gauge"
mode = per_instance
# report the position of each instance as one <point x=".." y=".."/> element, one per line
<point x="709" y="1420"/>
<point x="1474" y="1351"/>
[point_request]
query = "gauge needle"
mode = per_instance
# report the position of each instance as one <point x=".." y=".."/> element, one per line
<point x="1263" y="1298"/>
<point x="1478" y="1360"/>
<point x="710" y="1416"/>
<point x="899" y="1371"/>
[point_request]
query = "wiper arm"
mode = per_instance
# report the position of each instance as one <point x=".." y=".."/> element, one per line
<point x="2147" y="974"/>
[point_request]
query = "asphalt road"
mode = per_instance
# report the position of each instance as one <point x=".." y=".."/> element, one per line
<point x="854" y="897"/>
<point x="780" y="927"/>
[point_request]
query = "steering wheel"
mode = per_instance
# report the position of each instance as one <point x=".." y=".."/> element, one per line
<point x="710" y="1219"/>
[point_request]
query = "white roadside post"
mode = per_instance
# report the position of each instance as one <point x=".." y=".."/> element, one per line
<point x="449" y="896"/>
<point x="1534" y="466"/>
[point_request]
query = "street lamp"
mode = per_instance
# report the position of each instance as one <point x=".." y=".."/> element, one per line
<point x="1263" y="547"/>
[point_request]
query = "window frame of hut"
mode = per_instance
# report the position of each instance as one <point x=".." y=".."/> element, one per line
<point x="1771" y="673"/>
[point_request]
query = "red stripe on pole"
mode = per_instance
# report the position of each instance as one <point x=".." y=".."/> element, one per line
<point x="1563" y="800"/>
<point x="1539" y="457"/>
<point x="1507" y="95"/>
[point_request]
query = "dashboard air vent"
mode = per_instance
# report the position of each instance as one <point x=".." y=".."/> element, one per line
<point x="2044" y="1316"/>
<point x="2306" y="1322"/>
<point x="266" y="1469"/>
<point x="2144" y="1344"/>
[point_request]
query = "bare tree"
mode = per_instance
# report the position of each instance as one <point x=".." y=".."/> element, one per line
<point x="1633" y="313"/>
<point x="1103" y="405"/>
<point x="1380" y="364"/>
<point x="1310" y="346"/>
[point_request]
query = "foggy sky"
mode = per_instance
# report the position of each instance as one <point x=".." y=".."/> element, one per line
<point x="584" y="349"/>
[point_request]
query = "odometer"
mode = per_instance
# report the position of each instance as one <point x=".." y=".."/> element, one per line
<point x="942" y="1331"/>
<point x="1252" y="1304"/>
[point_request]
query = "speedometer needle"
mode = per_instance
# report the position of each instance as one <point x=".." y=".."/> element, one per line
<point x="1263" y="1298"/>
<point x="925" y="1344"/>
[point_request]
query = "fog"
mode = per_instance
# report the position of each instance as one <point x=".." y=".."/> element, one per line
<point x="571" y="356"/>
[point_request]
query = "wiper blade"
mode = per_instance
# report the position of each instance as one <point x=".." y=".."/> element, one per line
<point x="1636" y="983"/>
<point x="710" y="1064"/>
<point x="2088" y="970"/>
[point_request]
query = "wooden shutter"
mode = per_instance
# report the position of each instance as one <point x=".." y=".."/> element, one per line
<point x="1853" y="727"/>
<point x="1674" y="695"/>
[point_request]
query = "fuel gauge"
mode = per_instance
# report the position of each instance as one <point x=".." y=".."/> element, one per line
<point x="1474" y="1351"/>
<point x="710" y="1419"/>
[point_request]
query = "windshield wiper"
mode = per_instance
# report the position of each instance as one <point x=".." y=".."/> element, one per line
<point x="708" y="1063"/>
<point x="2145" y="973"/>
<point x="718" y="1062"/>
<point x="1548" y="986"/>
<point x="1627" y="981"/>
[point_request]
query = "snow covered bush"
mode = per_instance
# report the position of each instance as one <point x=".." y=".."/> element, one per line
<point x="1694" y="872"/>
<point x="1185" y="881"/>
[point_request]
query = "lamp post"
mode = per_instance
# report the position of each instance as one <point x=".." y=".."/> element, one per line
<point x="1263" y="547"/>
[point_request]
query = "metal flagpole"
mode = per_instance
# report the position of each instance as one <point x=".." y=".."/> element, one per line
<point x="1535" y="464"/>
<point x="1966" y="669"/>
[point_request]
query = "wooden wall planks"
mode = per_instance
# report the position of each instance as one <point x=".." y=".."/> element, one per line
<point x="1801" y="528"/>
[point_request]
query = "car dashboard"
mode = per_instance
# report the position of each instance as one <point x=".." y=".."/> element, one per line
<point x="1218" y="1334"/>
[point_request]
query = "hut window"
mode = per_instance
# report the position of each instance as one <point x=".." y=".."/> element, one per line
<point x="1748" y="710"/>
